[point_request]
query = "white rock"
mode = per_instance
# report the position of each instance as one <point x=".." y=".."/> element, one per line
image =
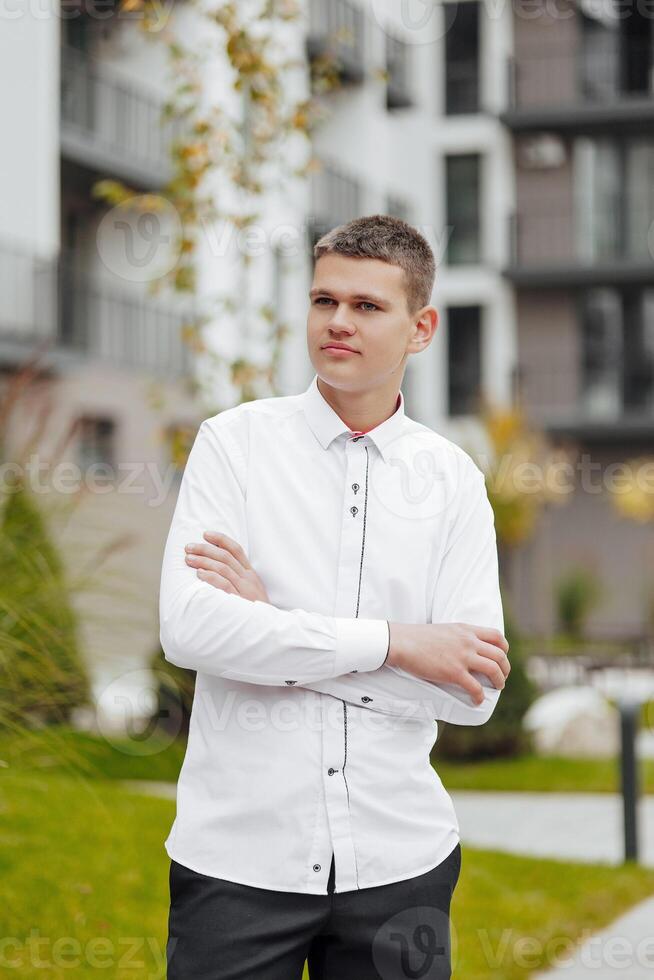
<point x="574" y="721"/>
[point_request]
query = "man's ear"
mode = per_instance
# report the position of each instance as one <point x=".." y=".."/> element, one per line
<point x="425" y="326"/>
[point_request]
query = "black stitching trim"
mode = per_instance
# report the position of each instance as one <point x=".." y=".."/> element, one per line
<point x="363" y="538"/>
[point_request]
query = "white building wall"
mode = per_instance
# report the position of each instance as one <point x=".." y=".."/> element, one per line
<point x="29" y="116"/>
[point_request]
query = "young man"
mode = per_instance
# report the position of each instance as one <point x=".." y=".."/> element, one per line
<point x="331" y="575"/>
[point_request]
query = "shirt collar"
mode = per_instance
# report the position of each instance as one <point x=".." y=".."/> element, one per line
<point x="326" y="424"/>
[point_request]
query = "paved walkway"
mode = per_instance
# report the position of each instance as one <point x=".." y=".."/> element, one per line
<point x="624" y="949"/>
<point x="577" y="826"/>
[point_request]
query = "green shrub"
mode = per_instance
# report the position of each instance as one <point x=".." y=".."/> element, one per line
<point x="503" y="734"/>
<point x="42" y="676"/>
<point x="577" y="593"/>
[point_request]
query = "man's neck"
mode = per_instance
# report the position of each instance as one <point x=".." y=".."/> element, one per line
<point x="361" y="411"/>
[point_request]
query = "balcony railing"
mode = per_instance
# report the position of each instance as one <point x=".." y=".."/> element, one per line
<point x="336" y="33"/>
<point x="335" y="199"/>
<point x="28" y="296"/>
<point x="549" y="233"/>
<point x="121" y="326"/>
<point x="108" y="122"/>
<point x="615" y="393"/>
<point x="85" y="316"/>
<point x="548" y="78"/>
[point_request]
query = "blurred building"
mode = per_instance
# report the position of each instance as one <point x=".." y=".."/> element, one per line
<point x="581" y="115"/>
<point x="519" y="143"/>
<point x="111" y="398"/>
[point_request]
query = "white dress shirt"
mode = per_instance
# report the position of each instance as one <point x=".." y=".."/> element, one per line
<point x="301" y="743"/>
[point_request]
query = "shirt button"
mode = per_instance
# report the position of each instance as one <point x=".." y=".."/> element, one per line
<point x="290" y="682"/>
<point x="355" y="487"/>
<point x="354" y="511"/>
<point x="366" y="698"/>
<point x="316" y="867"/>
<point x="356" y="438"/>
<point x="330" y="771"/>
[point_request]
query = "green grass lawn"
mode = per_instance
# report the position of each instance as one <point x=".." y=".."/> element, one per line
<point x="85" y="888"/>
<point x="61" y="749"/>
<point x="555" y="774"/>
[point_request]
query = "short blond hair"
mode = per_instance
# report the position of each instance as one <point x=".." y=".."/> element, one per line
<point x="381" y="236"/>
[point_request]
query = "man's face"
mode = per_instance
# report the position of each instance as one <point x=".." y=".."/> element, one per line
<point x="362" y="303"/>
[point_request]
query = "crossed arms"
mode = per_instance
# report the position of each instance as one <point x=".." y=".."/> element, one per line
<point x="259" y="643"/>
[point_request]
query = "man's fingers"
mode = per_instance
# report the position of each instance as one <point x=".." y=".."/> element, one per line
<point x="489" y="667"/>
<point x="218" y="581"/>
<point x="491" y="635"/>
<point x="494" y="653"/>
<point x="224" y="541"/>
<point x="200" y="562"/>
<point x="217" y="554"/>
<point x="472" y="686"/>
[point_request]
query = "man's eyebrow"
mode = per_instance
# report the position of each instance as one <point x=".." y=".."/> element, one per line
<point x="367" y="297"/>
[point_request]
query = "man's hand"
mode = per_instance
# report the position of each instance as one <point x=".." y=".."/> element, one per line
<point x="447" y="652"/>
<point x="220" y="561"/>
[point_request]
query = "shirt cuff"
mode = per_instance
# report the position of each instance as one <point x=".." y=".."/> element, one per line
<point x="361" y="644"/>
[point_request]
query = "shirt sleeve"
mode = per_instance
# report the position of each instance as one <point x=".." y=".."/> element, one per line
<point x="467" y="590"/>
<point x="206" y="629"/>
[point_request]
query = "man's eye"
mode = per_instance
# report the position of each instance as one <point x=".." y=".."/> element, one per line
<point x="322" y="300"/>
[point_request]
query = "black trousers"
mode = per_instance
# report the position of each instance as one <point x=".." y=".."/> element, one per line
<point x="222" y="930"/>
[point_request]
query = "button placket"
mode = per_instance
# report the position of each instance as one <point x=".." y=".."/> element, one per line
<point x="333" y="734"/>
<point x="336" y="795"/>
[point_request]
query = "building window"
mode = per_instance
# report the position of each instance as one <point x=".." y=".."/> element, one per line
<point x="398" y="65"/>
<point x="616" y="53"/>
<point x="463" y="359"/>
<point x="461" y="57"/>
<point x="462" y="207"/>
<point x="617" y="351"/>
<point x="335" y="43"/>
<point x="614" y="192"/>
<point x="96" y="442"/>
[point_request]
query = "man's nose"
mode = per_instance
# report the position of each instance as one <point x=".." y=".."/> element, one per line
<point x="340" y="319"/>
